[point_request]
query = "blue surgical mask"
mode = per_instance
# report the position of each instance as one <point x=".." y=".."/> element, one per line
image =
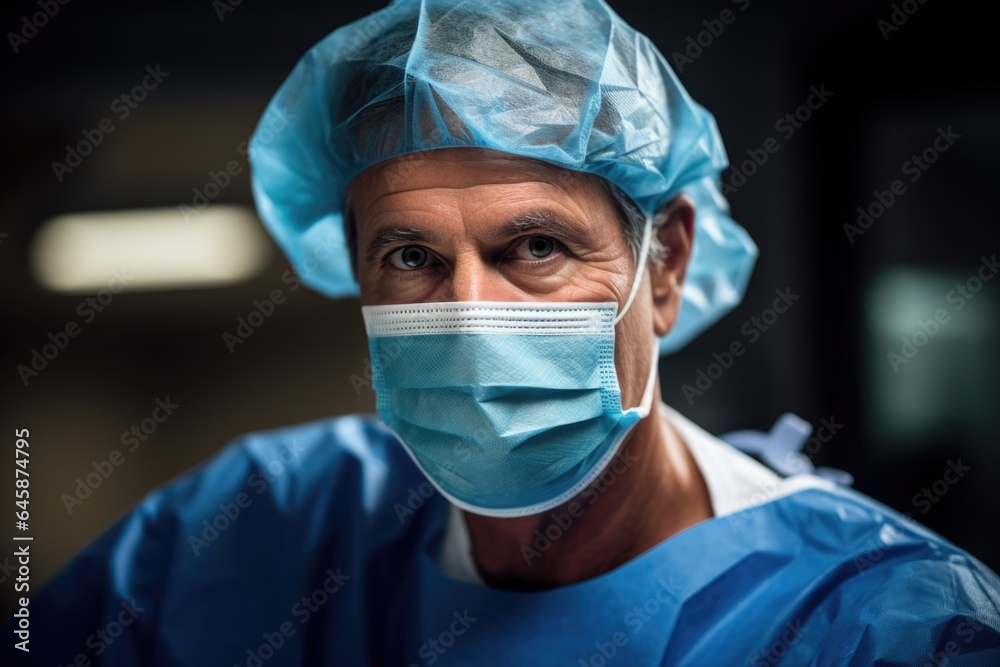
<point x="509" y="408"/>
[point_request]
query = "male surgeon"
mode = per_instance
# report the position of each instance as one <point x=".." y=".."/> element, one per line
<point x="525" y="199"/>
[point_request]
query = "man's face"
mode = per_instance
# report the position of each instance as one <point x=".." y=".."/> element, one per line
<point x="475" y="225"/>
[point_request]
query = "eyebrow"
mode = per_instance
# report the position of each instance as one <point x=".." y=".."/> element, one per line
<point x="393" y="236"/>
<point x="542" y="222"/>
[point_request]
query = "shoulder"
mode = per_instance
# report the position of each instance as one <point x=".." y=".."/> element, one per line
<point x="278" y="482"/>
<point x="886" y="588"/>
<point x="351" y="454"/>
<point x="241" y="536"/>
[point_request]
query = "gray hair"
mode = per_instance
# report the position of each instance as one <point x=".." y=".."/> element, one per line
<point x="634" y="224"/>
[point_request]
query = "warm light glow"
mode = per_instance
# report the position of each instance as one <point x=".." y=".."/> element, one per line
<point x="221" y="245"/>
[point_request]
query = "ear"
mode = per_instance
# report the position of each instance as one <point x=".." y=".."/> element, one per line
<point x="676" y="235"/>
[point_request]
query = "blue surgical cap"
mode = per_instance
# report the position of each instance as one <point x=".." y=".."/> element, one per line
<point x="568" y="83"/>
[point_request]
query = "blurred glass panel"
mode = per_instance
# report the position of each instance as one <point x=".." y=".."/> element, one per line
<point x="931" y="353"/>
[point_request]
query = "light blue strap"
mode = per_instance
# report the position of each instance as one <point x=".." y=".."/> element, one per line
<point x="781" y="449"/>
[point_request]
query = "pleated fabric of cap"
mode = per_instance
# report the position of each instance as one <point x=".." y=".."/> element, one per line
<point x="568" y="83"/>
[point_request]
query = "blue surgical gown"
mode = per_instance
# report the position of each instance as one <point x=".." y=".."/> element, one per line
<point x="316" y="545"/>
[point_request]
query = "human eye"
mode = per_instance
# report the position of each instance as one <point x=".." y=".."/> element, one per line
<point x="411" y="258"/>
<point x="535" y="248"/>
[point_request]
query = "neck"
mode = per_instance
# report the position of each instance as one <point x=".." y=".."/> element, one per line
<point x="651" y="490"/>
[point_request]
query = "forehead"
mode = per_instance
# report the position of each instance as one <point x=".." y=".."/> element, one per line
<point x="470" y="172"/>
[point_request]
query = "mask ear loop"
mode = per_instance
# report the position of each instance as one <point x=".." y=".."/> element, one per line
<point x="646" y="402"/>
<point x="640" y="267"/>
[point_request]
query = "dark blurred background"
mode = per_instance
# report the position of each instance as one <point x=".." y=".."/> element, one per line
<point x="891" y="89"/>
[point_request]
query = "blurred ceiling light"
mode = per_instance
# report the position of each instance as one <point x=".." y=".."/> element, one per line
<point x="220" y="246"/>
